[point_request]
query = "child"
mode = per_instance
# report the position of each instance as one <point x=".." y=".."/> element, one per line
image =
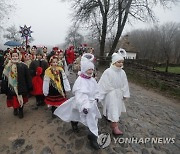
<point x="114" y="89"/>
<point x="55" y="84"/>
<point x="62" y="62"/>
<point x="16" y="83"/>
<point x="83" y="106"/>
<point x="37" y="69"/>
<point x="27" y="59"/>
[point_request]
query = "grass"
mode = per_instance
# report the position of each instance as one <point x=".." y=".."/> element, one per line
<point x="170" y="69"/>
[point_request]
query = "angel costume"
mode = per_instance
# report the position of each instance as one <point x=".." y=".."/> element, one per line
<point x="113" y="87"/>
<point x="85" y="90"/>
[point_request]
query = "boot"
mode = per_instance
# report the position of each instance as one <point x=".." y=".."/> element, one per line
<point x="21" y="114"/>
<point x="38" y="103"/>
<point x="15" y="112"/>
<point x="53" y="108"/>
<point x="115" y="129"/>
<point x="93" y="141"/>
<point x="106" y="119"/>
<point x="74" y="125"/>
<point x="42" y="103"/>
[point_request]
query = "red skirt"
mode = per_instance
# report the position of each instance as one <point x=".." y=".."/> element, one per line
<point x="13" y="101"/>
<point x="55" y="100"/>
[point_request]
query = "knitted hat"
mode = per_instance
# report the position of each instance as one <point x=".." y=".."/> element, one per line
<point x="116" y="57"/>
<point x="86" y="64"/>
<point x="39" y="51"/>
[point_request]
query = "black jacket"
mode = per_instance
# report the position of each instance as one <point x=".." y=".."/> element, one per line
<point x="1" y="65"/>
<point x="37" y="63"/>
<point x="23" y="79"/>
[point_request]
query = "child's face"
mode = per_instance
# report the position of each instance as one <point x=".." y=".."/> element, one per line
<point x="89" y="72"/>
<point x="45" y="50"/>
<point x="28" y="57"/>
<point x="119" y="63"/>
<point x="33" y="51"/>
<point x="39" y="56"/>
<point x="15" y="57"/>
<point x="54" y="62"/>
<point x="60" y="55"/>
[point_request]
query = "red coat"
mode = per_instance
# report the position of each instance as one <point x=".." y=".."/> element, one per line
<point x="70" y="56"/>
<point x="37" y="82"/>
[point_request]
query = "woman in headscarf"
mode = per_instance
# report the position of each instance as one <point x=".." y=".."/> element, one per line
<point x="16" y="83"/>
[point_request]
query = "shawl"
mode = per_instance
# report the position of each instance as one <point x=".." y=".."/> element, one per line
<point x="55" y="79"/>
<point x="10" y="72"/>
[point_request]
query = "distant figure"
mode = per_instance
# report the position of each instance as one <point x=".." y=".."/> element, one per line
<point x="1" y="63"/>
<point x="70" y="57"/>
<point x="52" y="53"/>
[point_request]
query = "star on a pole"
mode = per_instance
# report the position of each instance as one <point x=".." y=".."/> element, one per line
<point x="25" y="31"/>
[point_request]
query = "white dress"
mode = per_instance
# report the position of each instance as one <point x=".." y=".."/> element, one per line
<point x="113" y="86"/>
<point x="85" y="91"/>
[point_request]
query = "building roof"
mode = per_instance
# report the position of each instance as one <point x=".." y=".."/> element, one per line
<point x="127" y="45"/>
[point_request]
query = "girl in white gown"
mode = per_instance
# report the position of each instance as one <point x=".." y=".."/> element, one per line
<point x="113" y="90"/>
<point x="83" y="106"/>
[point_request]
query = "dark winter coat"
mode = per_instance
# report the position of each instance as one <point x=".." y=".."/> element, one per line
<point x="23" y="79"/>
<point x="1" y="65"/>
<point x="35" y="64"/>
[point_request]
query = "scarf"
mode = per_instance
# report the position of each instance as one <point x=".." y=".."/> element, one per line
<point x="10" y="72"/>
<point x="54" y="75"/>
<point x="116" y="68"/>
<point x="85" y="76"/>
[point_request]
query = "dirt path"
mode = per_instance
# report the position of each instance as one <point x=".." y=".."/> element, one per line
<point x="149" y="115"/>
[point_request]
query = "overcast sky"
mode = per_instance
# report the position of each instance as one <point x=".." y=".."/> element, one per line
<point x="50" y="19"/>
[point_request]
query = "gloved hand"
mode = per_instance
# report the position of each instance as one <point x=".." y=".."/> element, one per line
<point x="85" y="111"/>
<point x="124" y="98"/>
<point x="97" y="100"/>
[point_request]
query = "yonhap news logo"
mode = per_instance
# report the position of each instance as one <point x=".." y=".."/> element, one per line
<point x="104" y="140"/>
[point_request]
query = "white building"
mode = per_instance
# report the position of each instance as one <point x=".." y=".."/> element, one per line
<point x="130" y="55"/>
<point x="131" y="51"/>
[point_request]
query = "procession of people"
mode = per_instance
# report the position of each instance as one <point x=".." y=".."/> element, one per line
<point x="33" y="72"/>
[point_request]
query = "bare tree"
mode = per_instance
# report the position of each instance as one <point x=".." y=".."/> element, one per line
<point x="177" y="48"/>
<point x="74" y="37"/>
<point x="159" y="44"/>
<point x="168" y="34"/>
<point x="102" y="16"/>
<point x="6" y="7"/>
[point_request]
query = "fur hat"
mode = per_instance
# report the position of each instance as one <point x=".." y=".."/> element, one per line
<point x="89" y="56"/>
<point x="116" y="57"/>
<point x="55" y="48"/>
<point x="122" y="52"/>
<point x="39" y="51"/>
<point x="53" y="57"/>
